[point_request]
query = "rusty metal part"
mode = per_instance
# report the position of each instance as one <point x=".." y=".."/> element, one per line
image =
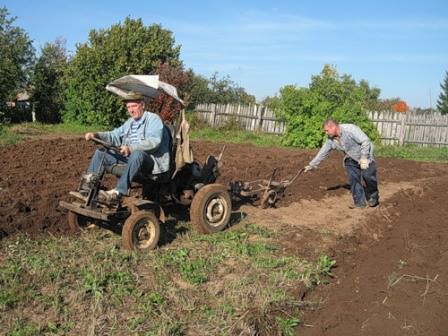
<point x="267" y="191"/>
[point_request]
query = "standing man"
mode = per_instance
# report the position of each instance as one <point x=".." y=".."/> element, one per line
<point x="144" y="146"/>
<point x="358" y="161"/>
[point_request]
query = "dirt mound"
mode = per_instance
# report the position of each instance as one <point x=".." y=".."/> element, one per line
<point x="391" y="275"/>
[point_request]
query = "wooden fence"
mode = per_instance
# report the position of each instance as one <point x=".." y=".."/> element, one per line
<point x="410" y="128"/>
<point x="250" y="117"/>
<point x="394" y="128"/>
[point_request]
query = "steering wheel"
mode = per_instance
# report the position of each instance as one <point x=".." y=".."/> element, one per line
<point x="105" y="144"/>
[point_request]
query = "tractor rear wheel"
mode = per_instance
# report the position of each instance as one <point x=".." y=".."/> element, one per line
<point x="211" y="208"/>
<point x="141" y="231"/>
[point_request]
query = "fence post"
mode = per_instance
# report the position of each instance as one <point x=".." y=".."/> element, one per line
<point x="33" y="112"/>
<point x="403" y="124"/>
<point x="214" y="106"/>
<point x="260" y="117"/>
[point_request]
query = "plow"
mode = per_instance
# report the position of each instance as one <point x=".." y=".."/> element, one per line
<point x="264" y="191"/>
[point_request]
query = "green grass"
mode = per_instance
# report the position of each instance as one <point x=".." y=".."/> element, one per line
<point x="206" y="284"/>
<point x="70" y="128"/>
<point x="417" y="153"/>
<point x="231" y="132"/>
<point x="8" y="137"/>
<point x="11" y="134"/>
<point x="236" y="136"/>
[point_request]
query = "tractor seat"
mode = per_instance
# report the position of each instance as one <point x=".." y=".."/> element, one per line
<point x="117" y="170"/>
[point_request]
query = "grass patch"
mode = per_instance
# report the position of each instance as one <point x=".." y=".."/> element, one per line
<point x="206" y="284"/>
<point x="63" y="128"/>
<point x="8" y="137"/>
<point x="230" y="132"/>
<point x="412" y="152"/>
<point x="71" y="128"/>
<point x="236" y="136"/>
<point x="11" y="134"/>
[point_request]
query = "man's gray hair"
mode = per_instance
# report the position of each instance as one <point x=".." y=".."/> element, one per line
<point x="330" y="121"/>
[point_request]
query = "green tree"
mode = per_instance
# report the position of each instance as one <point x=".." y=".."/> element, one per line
<point x="386" y="104"/>
<point x="442" y="102"/>
<point x="200" y="91"/>
<point x="47" y="92"/>
<point x="226" y="91"/>
<point x="216" y="90"/>
<point x="328" y="95"/>
<point x="123" y="49"/>
<point x="270" y="101"/>
<point x="16" y="57"/>
<point x="372" y="94"/>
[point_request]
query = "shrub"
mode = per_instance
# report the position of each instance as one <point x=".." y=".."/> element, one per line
<point x="328" y="95"/>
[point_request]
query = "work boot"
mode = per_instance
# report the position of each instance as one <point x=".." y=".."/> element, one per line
<point x="357" y="206"/>
<point x="86" y="184"/>
<point x="110" y="197"/>
<point x="88" y="178"/>
<point x="373" y="202"/>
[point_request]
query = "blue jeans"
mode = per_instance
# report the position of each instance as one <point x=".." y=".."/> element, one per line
<point x="138" y="161"/>
<point x="359" y="192"/>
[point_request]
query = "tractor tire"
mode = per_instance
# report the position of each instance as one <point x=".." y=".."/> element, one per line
<point x="141" y="231"/>
<point x="76" y="221"/>
<point x="211" y="208"/>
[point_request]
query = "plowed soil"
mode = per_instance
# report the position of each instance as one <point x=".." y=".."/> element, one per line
<point x="391" y="276"/>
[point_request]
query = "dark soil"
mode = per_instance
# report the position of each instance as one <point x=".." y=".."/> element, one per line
<point x="391" y="276"/>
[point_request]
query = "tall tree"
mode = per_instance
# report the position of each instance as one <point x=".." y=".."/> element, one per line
<point x="218" y="90"/>
<point x="442" y="102"/>
<point x="124" y="48"/>
<point x="200" y="92"/>
<point x="47" y="92"/>
<point x="16" y="57"/>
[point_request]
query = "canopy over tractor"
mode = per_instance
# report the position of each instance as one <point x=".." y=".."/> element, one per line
<point x="148" y="85"/>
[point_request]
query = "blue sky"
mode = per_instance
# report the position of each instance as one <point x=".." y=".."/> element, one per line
<point x="399" y="46"/>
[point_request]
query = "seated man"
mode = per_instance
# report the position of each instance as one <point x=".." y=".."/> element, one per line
<point x="143" y="143"/>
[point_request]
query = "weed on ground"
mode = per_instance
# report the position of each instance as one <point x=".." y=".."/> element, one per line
<point x="218" y="284"/>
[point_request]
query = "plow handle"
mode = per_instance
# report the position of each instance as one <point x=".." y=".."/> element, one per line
<point x="296" y="176"/>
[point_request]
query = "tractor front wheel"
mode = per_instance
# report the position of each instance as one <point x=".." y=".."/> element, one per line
<point x="76" y="221"/>
<point x="211" y="208"/>
<point x="141" y="231"/>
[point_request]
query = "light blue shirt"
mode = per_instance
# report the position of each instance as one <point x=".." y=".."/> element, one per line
<point x="151" y="137"/>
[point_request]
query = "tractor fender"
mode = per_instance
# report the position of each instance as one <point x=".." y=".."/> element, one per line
<point x="137" y="205"/>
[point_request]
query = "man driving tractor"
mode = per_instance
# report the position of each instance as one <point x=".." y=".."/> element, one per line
<point x="143" y="146"/>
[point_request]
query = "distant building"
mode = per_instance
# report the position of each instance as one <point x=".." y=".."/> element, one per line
<point x="23" y="100"/>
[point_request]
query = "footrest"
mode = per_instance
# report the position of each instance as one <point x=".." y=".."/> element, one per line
<point x="78" y="195"/>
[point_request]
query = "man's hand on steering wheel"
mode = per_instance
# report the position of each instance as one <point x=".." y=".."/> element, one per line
<point x="125" y="150"/>
<point x="89" y="136"/>
<point x="103" y="143"/>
